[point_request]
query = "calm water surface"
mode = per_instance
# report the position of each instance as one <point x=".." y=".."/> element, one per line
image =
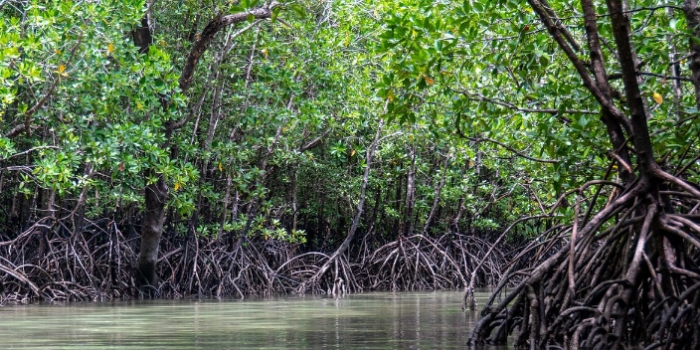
<point x="431" y="320"/>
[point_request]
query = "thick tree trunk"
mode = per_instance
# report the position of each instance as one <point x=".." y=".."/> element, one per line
<point x="142" y="35"/>
<point x="635" y="101"/>
<point x="615" y="132"/>
<point x="156" y="195"/>
<point x="153" y="215"/>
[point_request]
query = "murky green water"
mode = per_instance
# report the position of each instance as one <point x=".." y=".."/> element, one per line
<point x="363" y="321"/>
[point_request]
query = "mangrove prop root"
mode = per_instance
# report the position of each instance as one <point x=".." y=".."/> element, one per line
<point x="630" y="276"/>
<point x="51" y="263"/>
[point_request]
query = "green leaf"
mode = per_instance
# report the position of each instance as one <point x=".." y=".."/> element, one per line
<point x="236" y="9"/>
<point x="298" y="9"/>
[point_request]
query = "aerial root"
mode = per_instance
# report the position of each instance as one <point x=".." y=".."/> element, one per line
<point x="634" y="279"/>
<point x="96" y="264"/>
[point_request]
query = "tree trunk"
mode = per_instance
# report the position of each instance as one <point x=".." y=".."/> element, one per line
<point x="626" y="277"/>
<point x="692" y="18"/>
<point x="398" y="223"/>
<point x="436" y="199"/>
<point x="410" y="193"/>
<point x="156" y="195"/>
<point x="295" y="211"/>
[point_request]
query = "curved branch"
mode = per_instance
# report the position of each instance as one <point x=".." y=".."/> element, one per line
<point x="579" y="65"/>
<point x="676" y="181"/>
<point x="520" y="154"/>
<point x="21" y="278"/>
<point x="315" y="142"/>
<point x="29" y="151"/>
<point x="205" y="38"/>
<point x="182" y="122"/>
<point x="480" y="97"/>
<point x="552" y="161"/>
<point x="621" y="161"/>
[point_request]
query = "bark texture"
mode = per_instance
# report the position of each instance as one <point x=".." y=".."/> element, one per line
<point x="156" y="195"/>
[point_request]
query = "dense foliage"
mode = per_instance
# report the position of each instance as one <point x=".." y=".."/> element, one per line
<point x="268" y="142"/>
<point x="241" y="147"/>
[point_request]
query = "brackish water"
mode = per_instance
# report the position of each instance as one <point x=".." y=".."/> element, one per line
<point x="431" y="320"/>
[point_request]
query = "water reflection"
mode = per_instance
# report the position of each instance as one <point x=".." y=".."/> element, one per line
<point x="363" y="321"/>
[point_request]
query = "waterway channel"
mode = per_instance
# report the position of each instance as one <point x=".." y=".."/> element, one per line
<point x="428" y="320"/>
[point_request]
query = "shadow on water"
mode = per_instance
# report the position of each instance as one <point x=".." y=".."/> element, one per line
<point x="430" y="320"/>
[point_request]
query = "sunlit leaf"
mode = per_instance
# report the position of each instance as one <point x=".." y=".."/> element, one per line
<point x="658" y="98"/>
